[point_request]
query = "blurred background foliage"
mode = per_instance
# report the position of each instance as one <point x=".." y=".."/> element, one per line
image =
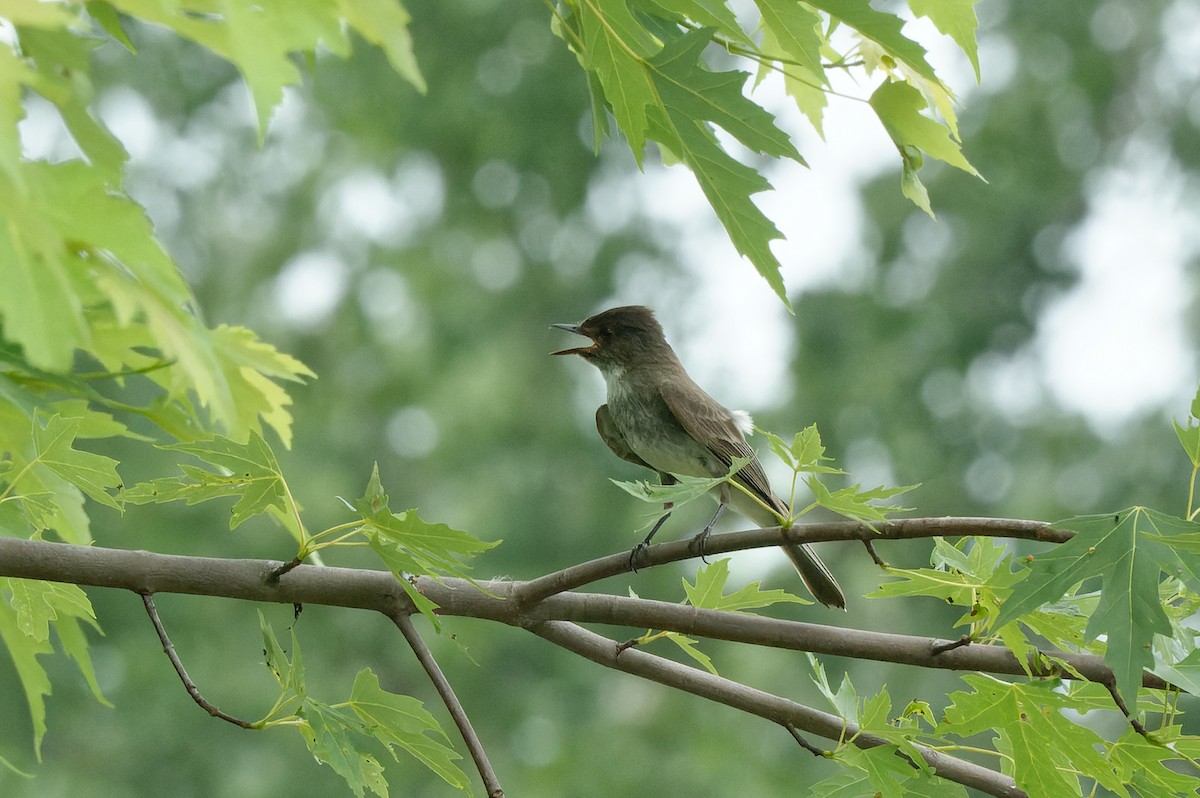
<point x="412" y="251"/>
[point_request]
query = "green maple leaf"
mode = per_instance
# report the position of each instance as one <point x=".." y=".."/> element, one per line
<point x="329" y="732"/>
<point x="247" y="362"/>
<point x="24" y="651"/>
<point x="709" y="591"/>
<point x="1141" y="762"/>
<point x="801" y="84"/>
<point x="247" y="470"/>
<point x="92" y="473"/>
<point x="805" y="453"/>
<point x="61" y="59"/>
<point x="690" y="95"/>
<point x="795" y="28"/>
<point x="898" y="105"/>
<point x="401" y="720"/>
<point x="1127" y="551"/>
<point x="956" y="19"/>
<point x="615" y="47"/>
<point x="409" y="545"/>
<point x="714" y="14"/>
<point x="856" y="503"/>
<point x="881" y="28"/>
<point x="1046" y="747"/>
<point x="385" y="23"/>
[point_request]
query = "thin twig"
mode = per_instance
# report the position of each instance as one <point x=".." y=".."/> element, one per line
<point x="188" y="684"/>
<point x="777" y="709"/>
<point x="805" y="744"/>
<point x="875" y="555"/>
<point x="403" y="621"/>
<point x="1111" y="685"/>
<point x="276" y="573"/>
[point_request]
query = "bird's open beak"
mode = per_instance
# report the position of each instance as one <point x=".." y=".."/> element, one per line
<point x="580" y="350"/>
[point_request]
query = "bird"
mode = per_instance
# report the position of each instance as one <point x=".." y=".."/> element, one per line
<point x="657" y="417"/>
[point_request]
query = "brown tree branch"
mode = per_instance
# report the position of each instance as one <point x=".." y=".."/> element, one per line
<point x="491" y="783"/>
<point x="788" y="714"/>
<point x="903" y="529"/>
<point x="188" y="684"/>
<point x="541" y="606"/>
<point x="143" y="572"/>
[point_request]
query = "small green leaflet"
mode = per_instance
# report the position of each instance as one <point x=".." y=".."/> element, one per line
<point x="385" y="23"/>
<point x="1189" y="439"/>
<point x="329" y="733"/>
<point x="401" y="720"/>
<point x="249" y="36"/>
<point x="796" y="28"/>
<point x="844" y="700"/>
<point x="24" y="651"/>
<point x="50" y="485"/>
<point x="688" y="646"/>
<point x="685" y="489"/>
<point x="898" y="105"/>
<point x="856" y="503"/>
<point x="1127" y="551"/>
<point x="247" y="362"/>
<point x="337" y="733"/>
<point x="883" y="770"/>
<point x="1141" y="762"/>
<point x="805" y="453"/>
<point x="92" y="473"/>
<point x="709" y="591"/>
<point x="289" y="673"/>
<point x="714" y="14"/>
<point x="248" y="471"/>
<point x="1046" y="747"/>
<point x="801" y="85"/>
<point x="410" y="546"/>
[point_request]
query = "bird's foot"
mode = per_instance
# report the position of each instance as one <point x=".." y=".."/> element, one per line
<point x="701" y="542"/>
<point x="636" y="554"/>
<point x="640" y="548"/>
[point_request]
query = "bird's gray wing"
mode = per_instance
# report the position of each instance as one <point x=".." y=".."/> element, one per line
<point x="714" y="427"/>
<point x="615" y="441"/>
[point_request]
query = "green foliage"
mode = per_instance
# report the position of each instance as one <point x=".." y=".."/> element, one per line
<point x="410" y="546"/>
<point x="29" y="609"/>
<point x="708" y="592"/>
<point x="805" y="454"/>
<point x="102" y="346"/>
<point x="248" y="471"/>
<point x="643" y="63"/>
<point x="336" y="734"/>
<point x="1127" y="552"/>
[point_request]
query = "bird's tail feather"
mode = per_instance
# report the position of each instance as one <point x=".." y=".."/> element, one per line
<point x="816" y="575"/>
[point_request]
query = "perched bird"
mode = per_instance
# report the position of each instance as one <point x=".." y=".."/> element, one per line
<point x="657" y="417"/>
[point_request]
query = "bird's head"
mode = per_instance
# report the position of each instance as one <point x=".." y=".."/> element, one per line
<point x="621" y="337"/>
